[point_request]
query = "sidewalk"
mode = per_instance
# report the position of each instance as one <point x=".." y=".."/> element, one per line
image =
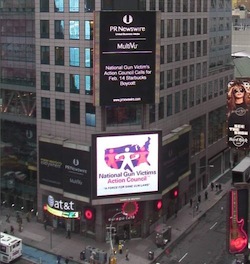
<point x="54" y="243"/>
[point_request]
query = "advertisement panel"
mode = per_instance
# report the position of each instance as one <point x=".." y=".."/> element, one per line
<point x="50" y="164"/>
<point x="127" y="55"/>
<point x="76" y="171"/>
<point x="126" y="163"/>
<point x="238" y="114"/>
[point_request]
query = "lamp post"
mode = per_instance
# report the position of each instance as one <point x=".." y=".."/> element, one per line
<point x="110" y="231"/>
<point x="197" y="176"/>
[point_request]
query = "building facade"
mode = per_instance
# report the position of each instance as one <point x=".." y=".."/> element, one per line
<point x="189" y="110"/>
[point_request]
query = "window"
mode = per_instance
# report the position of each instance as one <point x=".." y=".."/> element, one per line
<point x="45" y="105"/>
<point x="151" y="113"/>
<point x="44" y="29"/>
<point x="185" y="27"/>
<point x="89" y="5"/>
<point x="74" y="29"/>
<point x="90" y="115"/>
<point x="161" y="80"/>
<point x="198" y="94"/>
<point x="205" y="5"/>
<point x="185" y="5"/>
<point x="44" y="5"/>
<point x="88" y="58"/>
<point x="177" y="52"/>
<point x="191" y="52"/>
<point x="192" y="5"/>
<point x="74" y="57"/>
<point x="177" y="75"/>
<point x="184" y="74"/>
<point x="59" y="29"/>
<point x="198" y="134"/>
<point x="60" y="110"/>
<point x="59" y="55"/>
<point x="169" y="78"/>
<point x="169" y="53"/>
<point x="59" y="82"/>
<point x="177" y="27"/>
<point x="162" y="51"/>
<point x="198" y="48"/>
<point x="191" y="97"/>
<point x="185" y="51"/>
<point x="74" y="80"/>
<point x="162" y="5"/>
<point x="198" y="26"/>
<point x="74" y="112"/>
<point x="204" y="92"/>
<point x="45" y="55"/>
<point x="59" y="6"/>
<point x="204" y="69"/>
<point x="161" y="108"/>
<point x="191" y="27"/>
<point x="198" y="71"/>
<point x="177" y="5"/>
<point x="88" y="30"/>
<point x="210" y="90"/>
<point x="198" y="5"/>
<point x="215" y="88"/>
<point x="184" y="99"/>
<point x="170" y="6"/>
<point x="221" y="85"/>
<point x="191" y="72"/>
<point x="74" y="6"/>
<point x="89" y="84"/>
<point x="45" y="80"/>
<point x="177" y="98"/>
<point x="169" y="28"/>
<point x="152" y="5"/>
<point x="162" y="29"/>
<point x="204" y="25"/>
<point x="169" y="105"/>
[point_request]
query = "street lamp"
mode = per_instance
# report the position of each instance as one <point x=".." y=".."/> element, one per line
<point x="197" y="176"/>
<point x="110" y="230"/>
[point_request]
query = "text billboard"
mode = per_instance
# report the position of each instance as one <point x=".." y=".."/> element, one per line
<point x="238" y="114"/>
<point x="126" y="164"/>
<point x="127" y="63"/>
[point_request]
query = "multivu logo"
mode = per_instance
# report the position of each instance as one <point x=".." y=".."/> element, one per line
<point x="127" y="157"/>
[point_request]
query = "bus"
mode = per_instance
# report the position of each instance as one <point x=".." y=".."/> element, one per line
<point x="10" y="248"/>
<point x="241" y="172"/>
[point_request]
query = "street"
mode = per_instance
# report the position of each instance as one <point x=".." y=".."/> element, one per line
<point x="206" y="243"/>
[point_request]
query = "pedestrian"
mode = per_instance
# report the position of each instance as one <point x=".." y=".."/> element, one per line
<point x="28" y="217"/>
<point x="199" y="198"/>
<point x="120" y="247"/>
<point x="212" y="186"/>
<point x="66" y="261"/>
<point x="219" y="186"/>
<point x="58" y="259"/>
<point x="127" y="252"/>
<point x="221" y="209"/>
<point x="68" y="234"/>
<point x="8" y="218"/>
<point x="197" y="206"/>
<point x="11" y="230"/>
<point x="216" y="186"/>
<point x="191" y="202"/>
<point x="206" y="194"/>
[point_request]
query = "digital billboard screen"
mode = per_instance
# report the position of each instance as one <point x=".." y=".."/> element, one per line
<point x="238" y="114"/>
<point x="126" y="164"/>
<point x="127" y="63"/>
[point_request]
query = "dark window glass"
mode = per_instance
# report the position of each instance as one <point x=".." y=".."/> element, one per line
<point x="60" y="110"/>
<point x="162" y="80"/>
<point x="74" y="83"/>
<point x="59" y="55"/>
<point x="45" y="55"/>
<point x="162" y="5"/>
<point x="44" y="5"/>
<point x="45" y="80"/>
<point x="90" y="115"/>
<point x="162" y="55"/>
<point x="74" y="112"/>
<point x="161" y="108"/>
<point x="44" y="29"/>
<point x="170" y="6"/>
<point x="89" y="5"/>
<point x="45" y="105"/>
<point x="59" y="82"/>
<point x="59" y="29"/>
<point x="169" y="105"/>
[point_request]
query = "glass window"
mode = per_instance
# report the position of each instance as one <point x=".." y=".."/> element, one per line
<point x="59" y="82"/>
<point x="90" y="115"/>
<point x="151" y="113"/>
<point x="191" y="72"/>
<point x="198" y="71"/>
<point x="169" y="105"/>
<point x="169" y="28"/>
<point x="198" y="26"/>
<point x="204" y="92"/>
<point x="44" y="29"/>
<point x="191" y="97"/>
<point x="204" y="25"/>
<point x="59" y="55"/>
<point x="204" y="69"/>
<point x="169" y="78"/>
<point x="161" y="80"/>
<point x="44" y="5"/>
<point x="89" y="5"/>
<point x="120" y="115"/>
<point x="177" y="102"/>
<point x="185" y="51"/>
<point x="170" y="6"/>
<point x="184" y="74"/>
<point x="74" y="80"/>
<point x="205" y="5"/>
<point x="161" y="108"/>
<point x="74" y="6"/>
<point x="74" y="29"/>
<point x="191" y="51"/>
<point x="162" y="29"/>
<point x="152" y="5"/>
<point x="198" y="48"/>
<point x="198" y="134"/>
<point x="89" y="84"/>
<point x="177" y="27"/>
<point x="177" y="75"/>
<point x="215" y="88"/>
<point x="184" y="99"/>
<point x="88" y="32"/>
<point x="74" y="57"/>
<point x="45" y="105"/>
<point x="210" y="90"/>
<point x="177" y="52"/>
<point x="74" y="112"/>
<point x="204" y="47"/>
<point x="45" y="55"/>
<point x="169" y="53"/>
<point x="162" y="57"/>
<point x="59" y="29"/>
<point x="177" y="5"/>
<point x="60" y="110"/>
<point x="88" y="57"/>
<point x="198" y="94"/>
<point x="59" y="6"/>
<point x="162" y="5"/>
<point x="192" y="5"/>
<point x="45" y="80"/>
<point x="198" y="5"/>
<point x="185" y="5"/>
<point x="191" y="27"/>
<point x="185" y="27"/>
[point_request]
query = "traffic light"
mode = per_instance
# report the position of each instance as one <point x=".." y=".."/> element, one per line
<point x="174" y="193"/>
<point x="158" y="205"/>
<point x="89" y="213"/>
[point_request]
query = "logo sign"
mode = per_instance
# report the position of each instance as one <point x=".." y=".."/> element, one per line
<point x="127" y="64"/>
<point x="127" y="167"/>
<point x="59" y="204"/>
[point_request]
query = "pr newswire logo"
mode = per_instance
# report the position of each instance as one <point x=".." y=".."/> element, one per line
<point x="127" y="157"/>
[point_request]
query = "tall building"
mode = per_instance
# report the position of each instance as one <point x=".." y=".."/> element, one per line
<point x="184" y="111"/>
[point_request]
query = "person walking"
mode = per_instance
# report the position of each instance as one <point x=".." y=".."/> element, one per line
<point x="191" y="202"/>
<point x="127" y="252"/>
<point x="212" y="186"/>
<point x="199" y="198"/>
<point x="206" y="195"/>
<point x="11" y="230"/>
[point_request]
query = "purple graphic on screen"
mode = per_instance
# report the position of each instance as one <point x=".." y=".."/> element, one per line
<point x="127" y="157"/>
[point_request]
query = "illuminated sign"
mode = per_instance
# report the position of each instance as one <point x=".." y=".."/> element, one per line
<point x="59" y="204"/>
<point x="62" y="213"/>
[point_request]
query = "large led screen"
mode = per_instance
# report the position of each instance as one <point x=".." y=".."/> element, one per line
<point x="238" y="114"/>
<point x="128" y="62"/>
<point x="126" y="163"/>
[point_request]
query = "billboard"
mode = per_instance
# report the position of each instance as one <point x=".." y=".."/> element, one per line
<point x="126" y="48"/>
<point x="126" y="164"/>
<point x="238" y="114"/>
